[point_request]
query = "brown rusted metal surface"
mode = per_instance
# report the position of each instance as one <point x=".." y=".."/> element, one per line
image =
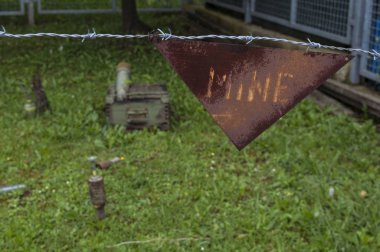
<point x="247" y="88"/>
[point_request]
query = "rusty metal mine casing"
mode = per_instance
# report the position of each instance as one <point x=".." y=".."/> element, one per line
<point x="97" y="195"/>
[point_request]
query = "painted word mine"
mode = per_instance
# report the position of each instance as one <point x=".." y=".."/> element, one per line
<point x="266" y="91"/>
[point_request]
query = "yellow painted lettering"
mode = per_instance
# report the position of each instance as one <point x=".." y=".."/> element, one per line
<point x="280" y="87"/>
<point x="240" y="92"/>
<point x="251" y="89"/>
<point x="221" y="81"/>
<point x="210" y="81"/>
<point x="256" y="86"/>
<point x="228" y="86"/>
<point x="267" y="83"/>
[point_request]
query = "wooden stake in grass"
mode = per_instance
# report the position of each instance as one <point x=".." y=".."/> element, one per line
<point x="42" y="102"/>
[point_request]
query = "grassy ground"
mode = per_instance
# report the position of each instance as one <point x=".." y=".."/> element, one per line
<point x="188" y="182"/>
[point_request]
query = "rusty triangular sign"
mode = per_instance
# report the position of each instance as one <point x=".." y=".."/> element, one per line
<point x="247" y="88"/>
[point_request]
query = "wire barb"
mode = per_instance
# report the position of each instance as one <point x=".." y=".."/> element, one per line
<point x="3" y="32"/>
<point x="375" y="54"/>
<point x="90" y="35"/>
<point x="314" y="44"/>
<point x="249" y="39"/>
<point x="165" y="36"/>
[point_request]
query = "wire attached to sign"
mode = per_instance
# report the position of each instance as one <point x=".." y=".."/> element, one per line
<point x="166" y="36"/>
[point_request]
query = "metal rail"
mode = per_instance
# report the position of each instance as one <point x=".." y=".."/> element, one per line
<point x="12" y="8"/>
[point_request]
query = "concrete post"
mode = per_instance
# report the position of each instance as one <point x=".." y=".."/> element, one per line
<point x="247" y="11"/>
<point x="114" y="9"/>
<point x="356" y="41"/>
<point x="293" y="11"/>
<point x="31" y="20"/>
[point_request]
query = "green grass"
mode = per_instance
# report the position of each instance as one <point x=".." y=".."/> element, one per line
<point x="188" y="182"/>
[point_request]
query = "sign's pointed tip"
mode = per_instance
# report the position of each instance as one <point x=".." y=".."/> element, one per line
<point x="239" y="147"/>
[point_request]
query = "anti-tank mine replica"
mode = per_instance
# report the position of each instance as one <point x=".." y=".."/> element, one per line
<point x="137" y="106"/>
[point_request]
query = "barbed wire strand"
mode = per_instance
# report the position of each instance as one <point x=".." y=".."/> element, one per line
<point x="166" y="36"/>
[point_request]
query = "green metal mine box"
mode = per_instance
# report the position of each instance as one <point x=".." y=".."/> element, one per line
<point x="137" y="106"/>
